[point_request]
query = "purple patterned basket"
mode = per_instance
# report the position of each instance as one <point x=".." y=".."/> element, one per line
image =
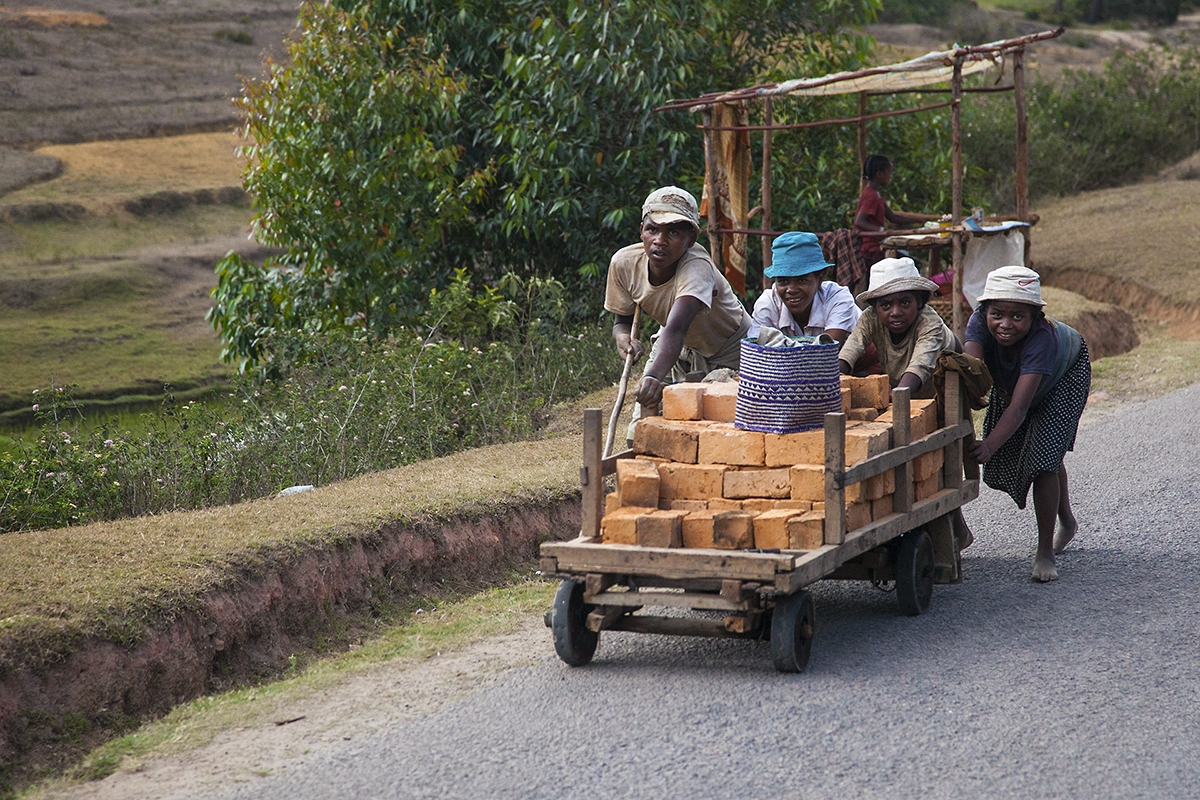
<point x="787" y="389"/>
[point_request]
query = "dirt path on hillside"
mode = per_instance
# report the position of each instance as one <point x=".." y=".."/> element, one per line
<point x="301" y="726"/>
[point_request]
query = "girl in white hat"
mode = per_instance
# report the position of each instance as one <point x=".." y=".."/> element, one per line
<point x="1042" y="375"/>
<point x="908" y="335"/>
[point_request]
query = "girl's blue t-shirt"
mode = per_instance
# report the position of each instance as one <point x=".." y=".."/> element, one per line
<point x="1036" y="355"/>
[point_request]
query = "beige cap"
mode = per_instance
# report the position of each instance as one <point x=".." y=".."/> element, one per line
<point x="671" y="204"/>
<point x="1015" y="284"/>
<point x="892" y="275"/>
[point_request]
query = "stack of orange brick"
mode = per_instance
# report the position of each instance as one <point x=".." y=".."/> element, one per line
<point x="698" y="481"/>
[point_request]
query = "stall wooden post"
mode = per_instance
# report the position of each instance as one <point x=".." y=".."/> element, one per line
<point x="1022" y="171"/>
<point x="591" y="475"/>
<point x="862" y="137"/>
<point x="956" y="186"/>
<point x="768" y="120"/>
<point x="710" y="179"/>
<point x="835" y="476"/>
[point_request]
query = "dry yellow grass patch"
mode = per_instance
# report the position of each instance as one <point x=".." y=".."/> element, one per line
<point x="1145" y="233"/>
<point x="48" y="18"/>
<point x="98" y="175"/>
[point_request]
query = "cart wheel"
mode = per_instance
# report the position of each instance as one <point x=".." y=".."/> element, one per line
<point x="573" y="642"/>
<point x="792" y="632"/>
<point x="914" y="573"/>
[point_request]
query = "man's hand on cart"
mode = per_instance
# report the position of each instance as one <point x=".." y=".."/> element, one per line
<point x="649" y="390"/>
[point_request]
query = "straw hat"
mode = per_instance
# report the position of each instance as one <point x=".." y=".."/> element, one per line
<point x="671" y="204"/>
<point x="892" y="275"/>
<point x="1016" y="284"/>
<point x="796" y="253"/>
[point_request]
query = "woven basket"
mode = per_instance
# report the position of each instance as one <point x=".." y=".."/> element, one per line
<point x="787" y="389"/>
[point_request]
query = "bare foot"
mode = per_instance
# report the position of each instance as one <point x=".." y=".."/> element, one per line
<point x="1044" y="570"/>
<point x="1064" y="535"/>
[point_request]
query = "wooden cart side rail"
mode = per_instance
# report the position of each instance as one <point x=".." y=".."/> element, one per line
<point x="812" y="565"/>
<point x="906" y="453"/>
<point x="585" y="555"/>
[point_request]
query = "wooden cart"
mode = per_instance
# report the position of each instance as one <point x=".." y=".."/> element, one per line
<point x="762" y="594"/>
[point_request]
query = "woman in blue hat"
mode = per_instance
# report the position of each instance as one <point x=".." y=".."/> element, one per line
<point x="802" y="302"/>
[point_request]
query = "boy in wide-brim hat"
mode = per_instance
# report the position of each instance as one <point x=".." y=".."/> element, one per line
<point x="908" y="335"/>
<point x="802" y="301"/>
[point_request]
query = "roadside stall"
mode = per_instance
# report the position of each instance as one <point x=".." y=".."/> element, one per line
<point x="726" y="126"/>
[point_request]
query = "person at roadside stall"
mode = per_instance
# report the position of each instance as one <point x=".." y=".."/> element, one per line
<point x="909" y="336"/>
<point x="1042" y="374"/>
<point x="873" y="213"/>
<point x="674" y="281"/>
<point x="802" y="300"/>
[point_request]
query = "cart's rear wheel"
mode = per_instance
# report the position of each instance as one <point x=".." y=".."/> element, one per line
<point x="573" y="642"/>
<point x="914" y="573"/>
<point x="792" y="632"/>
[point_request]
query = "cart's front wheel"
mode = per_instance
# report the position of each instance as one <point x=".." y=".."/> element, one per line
<point x="914" y="573"/>
<point x="573" y="642"/>
<point x="792" y="632"/>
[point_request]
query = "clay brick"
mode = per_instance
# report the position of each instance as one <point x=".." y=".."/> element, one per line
<point x="923" y="490"/>
<point x="785" y="449"/>
<point x="857" y="515"/>
<point x="862" y="414"/>
<point x="682" y="505"/>
<point x="725" y="530"/>
<point x="661" y="529"/>
<point x="771" y="528"/>
<point x="847" y="399"/>
<point x="690" y="481"/>
<point x="620" y="527"/>
<point x="611" y="503"/>
<point x="724" y="504"/>
<point x="724" y="444"/>
<point x="924" y="417"/>
<point x="881" y="508"/>
<point x="720" y="401"/>
<point x="873" y="391"/>
<point x="808" y="482"/>
<point x="807" y="531"/>
<point x="819" y="505"/>
<point x="865" y="441"/>
<point x="743" y="483"/>
<point x="795" y="505"/>
<point x="637" y="483"/>
<point x="669" y="439"/>
<point x="683" y="401"/>
<point x="928" y="463"/>
<point x="655" y="459"/>
<point x="757" y="505"/>
<point x="880" y="485"/>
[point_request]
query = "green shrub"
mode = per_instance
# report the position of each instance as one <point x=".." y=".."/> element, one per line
<point x="485" y="368"/>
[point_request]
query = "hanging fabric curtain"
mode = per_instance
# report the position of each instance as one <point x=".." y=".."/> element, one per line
<point x="732" y="183"/>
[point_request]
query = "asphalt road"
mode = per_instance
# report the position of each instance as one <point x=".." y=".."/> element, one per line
<point x="1086" y="687"/>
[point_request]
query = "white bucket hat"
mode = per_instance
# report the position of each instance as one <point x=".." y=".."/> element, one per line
<point x="671" y="204"/>
<point x="1015" y="284"/>
<point x="891" y="275"/>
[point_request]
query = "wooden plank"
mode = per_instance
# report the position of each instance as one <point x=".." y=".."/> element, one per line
<point x="731" y="590"/>
<point x="901" y="433"/>
<point x="902" y="455"/>
<point x="705" y="602"/>
<point x="816" y="564"/>
<point x="835" y="479"/>
<point x="862" y="135"/>
<point x="672" y="563"/>
<point x="952" y="464"/>
<point x="595" y="583"/>
<point x="1022" y="171"/>
<point x="956" y="186"/>
<point x="710" y="181"/>
<point x="609" y="465"/>
<point x="591" y="475"/>
<point x="678" y="626"/>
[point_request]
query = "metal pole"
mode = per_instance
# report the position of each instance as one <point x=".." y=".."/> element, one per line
<point x="956" y="179"/>
<point x="714" y="225"/>
<point x="768" y="117"/>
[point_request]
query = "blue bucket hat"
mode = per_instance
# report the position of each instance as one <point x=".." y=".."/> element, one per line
<point x="796" y="253"/>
